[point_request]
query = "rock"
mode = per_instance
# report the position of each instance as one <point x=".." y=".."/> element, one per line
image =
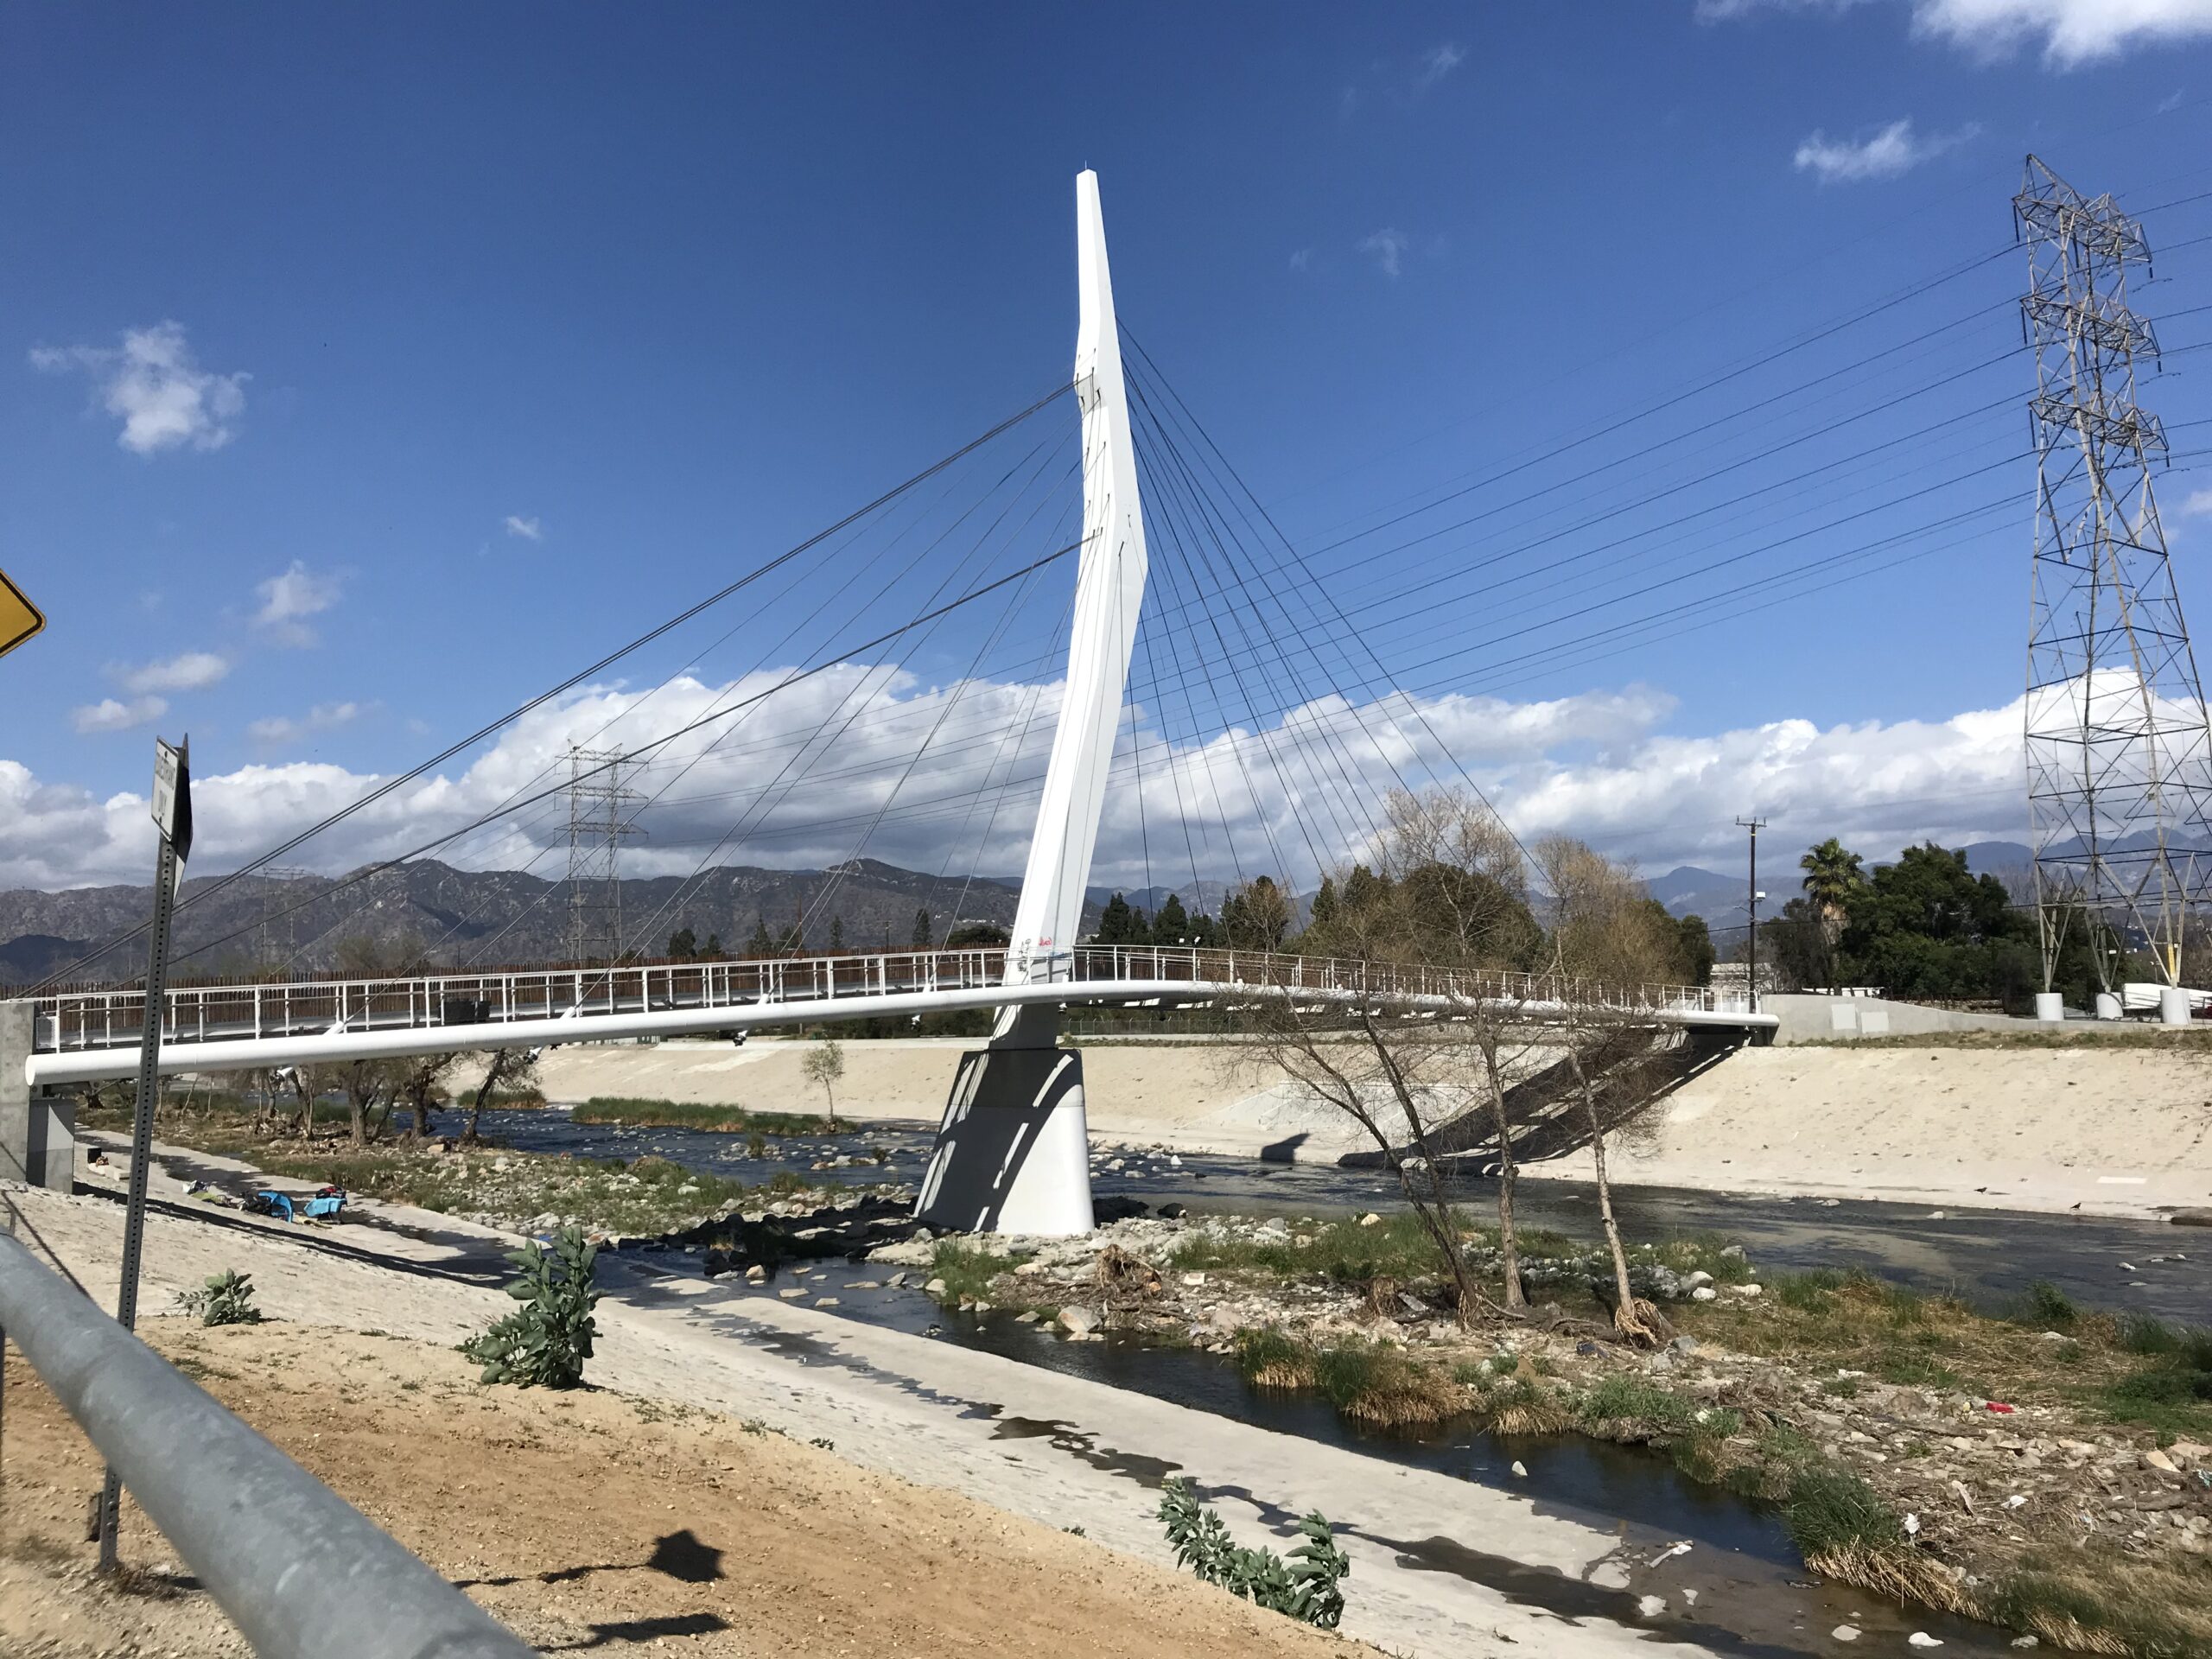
<point x="2026" y="1641"/>
<point x="1921" y="1639"/>
<point x="1078" y="1321"/>
<point x="825" y="1301"/>
<point x="1172" y="1212"/>
<point x="1519" y="1471"/>
<point x="1370" y="1219"/>
<point x="1684" y="1344"/>
<point x="1705" y="1293"/>
<point x="756" y="1274"/>
<point x="1749" y="1290"/>
<point x="1650" y="1606"/>
<point x="792" y="1293"/>
<point x="1845" y="1633"/>
<point x="936" y="1288"/>
<point x="1700" y="1277"/>
<point x="2157" y="1460"/>
<point x="1194" y="1278"/>
<point x="1027" y="1316"/>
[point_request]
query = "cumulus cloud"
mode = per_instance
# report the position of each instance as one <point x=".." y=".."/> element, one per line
<point x="189" y="670"/>
<point x="110" y="716"/>
<point x="324" y="717"/>
<point x="154" y="385"/>
<point x="1297" y="794"/>
<point x="287" y="601"/>
<point x="528" y="529"/>
<point x="2198" y="503"/>
<point x="1886" y="154"/>
<point x="1389" y="247"/>
<point x="2069" y="31"/>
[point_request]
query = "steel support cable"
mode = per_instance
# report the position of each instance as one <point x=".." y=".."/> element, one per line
<point x="486" y="944"/>
<point x="1348" y="774"/>
<point x="1184" y="480"/>
<point x="1177" y="551"/>
<point x="949" y="578"/>
<point x="793" y="679"/>
<point x="543" y="697"/>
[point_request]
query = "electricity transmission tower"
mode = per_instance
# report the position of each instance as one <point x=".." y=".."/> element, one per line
<point x="597" y="796"/>
<point x="2117" y="743"/>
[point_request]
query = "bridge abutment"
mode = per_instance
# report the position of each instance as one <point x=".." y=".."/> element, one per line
<point x="38" y="1130"/>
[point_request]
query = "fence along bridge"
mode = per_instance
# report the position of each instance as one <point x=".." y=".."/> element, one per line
<point x="91" y="1036"/>
<point x="1012" y="1155"/>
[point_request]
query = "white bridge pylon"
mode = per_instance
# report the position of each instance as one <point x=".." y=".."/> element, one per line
<point x="1012" y="1152"/>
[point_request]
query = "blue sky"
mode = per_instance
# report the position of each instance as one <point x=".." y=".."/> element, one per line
<point x="366" y="370"/>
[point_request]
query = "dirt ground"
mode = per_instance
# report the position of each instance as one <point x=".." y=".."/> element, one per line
<point x="590" y="1520"/>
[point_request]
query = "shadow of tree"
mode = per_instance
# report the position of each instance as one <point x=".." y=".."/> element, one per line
<point x="679" y="1555"/>
<point x="644" y="1630"/>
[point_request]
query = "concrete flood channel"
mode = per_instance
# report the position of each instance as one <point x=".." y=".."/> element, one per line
<point x="1751" y="1595"/>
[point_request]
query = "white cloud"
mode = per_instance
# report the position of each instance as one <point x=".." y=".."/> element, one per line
<point x="190" y="670"/>
<point x="1893" y="151"/>
<point x="1389" y="246"/>
<point x="152" y="383"/>
<point x="324" y="717"/>
<point x="288" y="599"/>
<point x="1302" y="260"/>
<point x="1437" y="63"/>
<point x="2198" y="504"/>
<point x="1600" y="765"/>
<point x="2070" y="32"/>
<point x="109" y="716"/>
<point x="530" y="530"/>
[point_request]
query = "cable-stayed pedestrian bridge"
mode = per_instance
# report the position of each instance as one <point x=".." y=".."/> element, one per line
<point x="93" y="1035"/>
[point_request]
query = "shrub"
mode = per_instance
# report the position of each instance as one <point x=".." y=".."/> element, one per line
<point x="1271" y="1358"/>
<point x="1307" y="1586"/>
<point x="226" y="1298"/>
<point x="2047" y="1307"/>
<point x="1829" y="1509"/>
<point x="545" y="1342"/>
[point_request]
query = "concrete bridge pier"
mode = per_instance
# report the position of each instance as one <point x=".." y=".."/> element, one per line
<point x="38" y="1132"/>
<point x="1014" y="1152"/>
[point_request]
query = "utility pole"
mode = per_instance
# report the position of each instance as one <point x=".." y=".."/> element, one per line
<point x="172" y="806"/>
<point x="2118" y="746"/>
<point x="1752" y="954"/>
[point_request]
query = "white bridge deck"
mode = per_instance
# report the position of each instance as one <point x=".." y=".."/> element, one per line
<point x="90" y="1035"/>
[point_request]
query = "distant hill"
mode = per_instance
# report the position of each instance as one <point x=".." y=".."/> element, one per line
<point x="1686" y="890"/>
<point x="466" y="918"/>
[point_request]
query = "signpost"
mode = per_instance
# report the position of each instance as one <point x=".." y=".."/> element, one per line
<point x="19" y="618"/>
<point x="173" y="818"/>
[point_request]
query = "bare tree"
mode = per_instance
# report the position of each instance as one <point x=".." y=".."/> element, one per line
<point x="507" y="1069"/>
<point x="1606" y="934"/>
<point x="1448" y="894"/>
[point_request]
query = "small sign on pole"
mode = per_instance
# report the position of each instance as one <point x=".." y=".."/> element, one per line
<point x="172" y="806"/>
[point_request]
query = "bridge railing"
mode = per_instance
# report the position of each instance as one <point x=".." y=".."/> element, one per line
<point x="99" y="1019"/>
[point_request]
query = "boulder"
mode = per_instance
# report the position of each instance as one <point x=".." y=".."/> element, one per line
<point x="1078" y="1321"/>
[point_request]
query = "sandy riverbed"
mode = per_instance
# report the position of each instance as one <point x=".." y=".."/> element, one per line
<point x="2115" y="1132"/>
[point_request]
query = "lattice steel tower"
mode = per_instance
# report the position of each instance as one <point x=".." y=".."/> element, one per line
<point x="2117" y="743"/>
<point x="596" y="827"/>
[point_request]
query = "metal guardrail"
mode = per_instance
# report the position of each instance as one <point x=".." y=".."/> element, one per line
<point x="75" y="1020"/>
<point x="300" y="1572"/>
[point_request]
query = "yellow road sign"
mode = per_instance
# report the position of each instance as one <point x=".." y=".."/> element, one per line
<point x="19" y="618"/>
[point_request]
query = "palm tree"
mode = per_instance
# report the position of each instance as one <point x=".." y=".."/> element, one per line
<point x="1833" y="875"/>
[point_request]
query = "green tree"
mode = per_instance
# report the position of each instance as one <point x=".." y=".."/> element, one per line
<point x="1172" y="925"/>
<point x="1696" y="945"/>
<point x="713" y="949"/>
<point x="683" y="944"/>
<point x="837" y="932"/>
<point x="968" y="935"/>
<point x="1256" y="916"/>
<point x="823" y="1065"/>
<point x="1119" y="923"/>
<point x="1833" y="875"/>
<point x="762" y="942"/>
<point x="921" y="929"/>
<point x="1927" y="926"/>
<point x="1324" y="910"/>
